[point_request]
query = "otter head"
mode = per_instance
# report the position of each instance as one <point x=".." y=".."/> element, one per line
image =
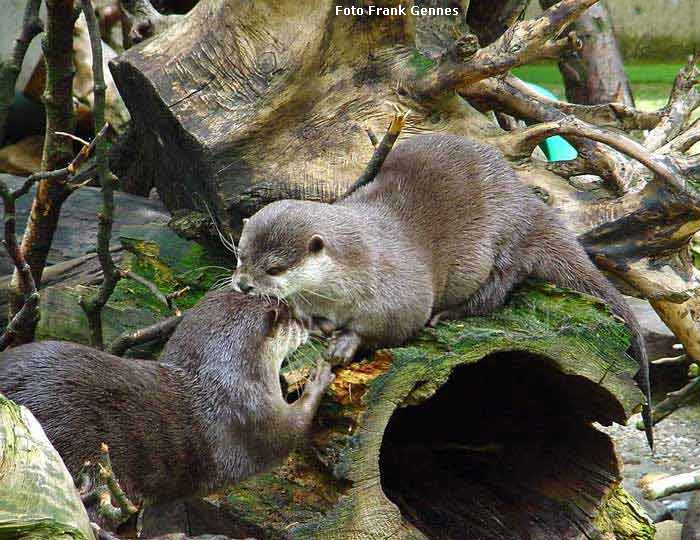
<point x="283" y="250"/>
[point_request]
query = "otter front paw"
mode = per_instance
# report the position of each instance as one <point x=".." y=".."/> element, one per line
<point x="343" y="348"/>
<point x="315" y="387"/>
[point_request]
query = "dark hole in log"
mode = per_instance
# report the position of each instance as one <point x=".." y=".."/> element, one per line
<point x="504" y="450"/>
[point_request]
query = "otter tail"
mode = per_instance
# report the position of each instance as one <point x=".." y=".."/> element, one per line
<point x="564" y="262"/>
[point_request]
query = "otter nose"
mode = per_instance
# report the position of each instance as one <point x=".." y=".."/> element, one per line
<point x="244" y="286"/>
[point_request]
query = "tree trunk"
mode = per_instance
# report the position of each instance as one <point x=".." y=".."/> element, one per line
<point x="595" y="73"/>
<point x="57" y="46"/>
<point x="267" y="100"/>
<point x="479" y="428"/>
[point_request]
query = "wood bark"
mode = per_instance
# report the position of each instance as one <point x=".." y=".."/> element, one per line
<point x="38" y="498"/>
<point x="57" y="46"/>
<point x="595" y="73"/>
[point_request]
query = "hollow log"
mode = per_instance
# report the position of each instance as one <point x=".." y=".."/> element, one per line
<point x="480" y="428"/>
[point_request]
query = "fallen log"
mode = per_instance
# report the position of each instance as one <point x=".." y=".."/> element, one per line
<point x="480" y="428"/>
<point x="38" y="498"/>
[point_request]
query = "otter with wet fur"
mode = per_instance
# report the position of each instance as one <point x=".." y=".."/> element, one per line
<point x="445" y="230"/>
<point x="209" y="414"/>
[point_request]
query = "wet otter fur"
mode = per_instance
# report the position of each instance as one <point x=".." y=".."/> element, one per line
<point x="209" y="414"/>
<point x="446" y="229"/>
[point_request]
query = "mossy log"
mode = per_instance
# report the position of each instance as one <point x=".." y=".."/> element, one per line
<point x="38" y="499"/>
<point x="480" y="428"/>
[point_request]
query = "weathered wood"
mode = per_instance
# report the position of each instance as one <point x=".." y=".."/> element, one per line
<point x="266" y="100"/>
<point x="595" y="73"/>
<point x="37" y="496"/>
<point x="479" y="428"/>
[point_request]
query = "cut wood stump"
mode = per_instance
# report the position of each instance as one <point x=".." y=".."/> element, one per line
<point x="481" y="428"/>
<point x="243" y="103"/>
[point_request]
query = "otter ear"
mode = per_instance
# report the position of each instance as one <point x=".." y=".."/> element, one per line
<point x="316" y="243"/>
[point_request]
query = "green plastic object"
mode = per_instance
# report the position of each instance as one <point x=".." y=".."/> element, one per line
<point x="556" y="148"/>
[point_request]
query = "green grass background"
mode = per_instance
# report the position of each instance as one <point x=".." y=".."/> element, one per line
<point x="651" y="82"/>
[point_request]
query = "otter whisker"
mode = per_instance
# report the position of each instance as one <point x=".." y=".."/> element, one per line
<point x="314" y="293"/>
<point x="301" y="296"/>
<point x="230" y="270"/>
<point x="229" y="245"/>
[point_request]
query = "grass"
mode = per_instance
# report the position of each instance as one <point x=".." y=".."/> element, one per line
<point x="651" y="82"/>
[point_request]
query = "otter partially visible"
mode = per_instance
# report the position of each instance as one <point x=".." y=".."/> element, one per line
<point x="446" y="229"/>
<point x="209" y="414"/>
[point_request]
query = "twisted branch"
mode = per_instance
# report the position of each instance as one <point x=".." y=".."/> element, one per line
<point x="522" y="43"/>
<point x="93" y="306"/>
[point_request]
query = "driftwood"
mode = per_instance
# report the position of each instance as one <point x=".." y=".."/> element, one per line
<point x="479" y="428"/>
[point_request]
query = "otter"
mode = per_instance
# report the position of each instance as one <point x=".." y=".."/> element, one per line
<point x="445" y="230"/>
<point x="209" y="414"/>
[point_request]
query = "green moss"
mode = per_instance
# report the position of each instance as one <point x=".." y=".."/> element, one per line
<point x="420" y="63"/>
<point x="622" y="516"/>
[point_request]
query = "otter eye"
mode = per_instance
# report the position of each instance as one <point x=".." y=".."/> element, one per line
<point x="315" y="244"/>
<point x="275" y="270"/>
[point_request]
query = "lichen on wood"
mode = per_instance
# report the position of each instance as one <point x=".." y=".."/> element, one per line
<point x="38" y="498"/>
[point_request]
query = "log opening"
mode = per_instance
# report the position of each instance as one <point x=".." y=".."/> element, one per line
<point x="521" y="462"/>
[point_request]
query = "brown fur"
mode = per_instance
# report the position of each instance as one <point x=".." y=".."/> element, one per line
<point x="209" y="414"/>
<point x="445" y="229"/>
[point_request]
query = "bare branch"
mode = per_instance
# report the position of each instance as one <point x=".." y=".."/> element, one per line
<point x="107" y="474"/>
<point x="93" y="306"/>
<point x="681" y="360"/>
<point x="674" y="401"/>
<point x="27" y="314"/>
<point x="159" y="331"/>
<point x="684" y="141"/>
<point x="380" y="154"/>
<point x="664" y="168"/>
<point x="142" y="21"/>
<point x="511" y="96"/>
<point x="684" y="99"/>
<point x="617" y="115"/>
<point x="522" y="43"/>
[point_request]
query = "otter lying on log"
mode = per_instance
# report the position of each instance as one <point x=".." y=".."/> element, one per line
<point x="209" y="414"/>
<point x="445" y="230"/>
